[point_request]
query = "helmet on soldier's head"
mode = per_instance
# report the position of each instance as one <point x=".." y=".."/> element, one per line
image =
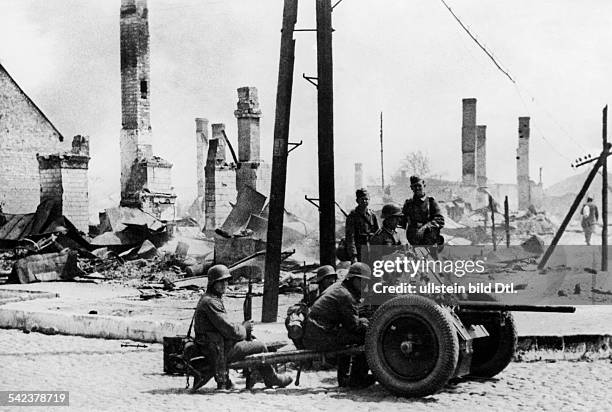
<point x="359" y="193"/>
<point x="217" y="273"/>
<point x="415" y="180"/>
<point x="391" y="210"/>
<point x="324" y="272"/>
<point x="359" y="270"/>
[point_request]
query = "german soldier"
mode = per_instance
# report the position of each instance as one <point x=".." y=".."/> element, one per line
<point x="422" y="217"/>
<point x="224" y="341"/>
<point x="387" y="235"/>
<point x="361" y="224"/>
<point x="333" y="323"/>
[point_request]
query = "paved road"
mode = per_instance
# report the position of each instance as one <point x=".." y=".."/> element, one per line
<point x="101" y="375"/>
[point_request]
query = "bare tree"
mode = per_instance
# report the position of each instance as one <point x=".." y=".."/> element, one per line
<point x="414" y="163"/>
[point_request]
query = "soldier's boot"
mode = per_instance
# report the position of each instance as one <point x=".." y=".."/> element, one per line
<point x="359" y="377"/>
<point x="273" y="379"/>
<point x="344" y="367"/>
<point x="201" y="378"/>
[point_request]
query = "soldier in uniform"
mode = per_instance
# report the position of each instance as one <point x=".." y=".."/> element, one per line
<point x="326" y="276"/>
<point x="387" y="235"/>
<point x="333" y="323"/>
<point x="422" y="218"/>
<point x="225" y="341"/>
<point x="361" y="224"/>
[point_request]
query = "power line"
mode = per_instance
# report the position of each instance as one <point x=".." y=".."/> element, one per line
<point x="478" y="43"/>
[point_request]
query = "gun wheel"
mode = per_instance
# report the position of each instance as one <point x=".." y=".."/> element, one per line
<point x="493" y="353"/>
<point x="411" y="346"/>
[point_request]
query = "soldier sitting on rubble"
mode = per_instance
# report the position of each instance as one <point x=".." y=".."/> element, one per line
<point x="422" y="218"/>
<point x="224" y="341"/>
<point x="333" y="323"/>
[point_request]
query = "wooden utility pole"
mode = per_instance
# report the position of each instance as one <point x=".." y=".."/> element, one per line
<point x="604" y="193"/>
<point x="325" y="105"/>
<point x="507" y="219"/>
<point x="279" y="163"/>
<point x="492" y="207"/>
<point x="382" y="156"/>
<point x="574" y="206"/>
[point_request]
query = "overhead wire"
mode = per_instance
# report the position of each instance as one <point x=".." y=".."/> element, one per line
<point x="517" y="87"/>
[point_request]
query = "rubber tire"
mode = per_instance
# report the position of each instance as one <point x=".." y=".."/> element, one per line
<point x="493" y="353"/>
<point x="448" y="346"/>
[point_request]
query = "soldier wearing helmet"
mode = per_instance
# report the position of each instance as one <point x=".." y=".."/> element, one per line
<point x="223" y="340"/>
<point x="333" y="323"/>
<point x="387" y="235"/>
<point x="361" y="224"/>
<point x="422" y="218"/>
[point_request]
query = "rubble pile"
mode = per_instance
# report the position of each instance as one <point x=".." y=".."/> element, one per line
<point x="530" y="224"/>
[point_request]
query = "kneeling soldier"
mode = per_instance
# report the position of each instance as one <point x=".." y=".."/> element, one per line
<point x="333" y="323"/>
<point x="223" y="341"/>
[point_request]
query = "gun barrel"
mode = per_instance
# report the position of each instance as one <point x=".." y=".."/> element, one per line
<point x="492" y="306"/>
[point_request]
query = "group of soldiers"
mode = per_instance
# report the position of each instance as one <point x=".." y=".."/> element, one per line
<point x="333" y="318"/>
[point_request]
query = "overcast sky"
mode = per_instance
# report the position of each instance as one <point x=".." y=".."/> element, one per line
<point x="409" y="59"/>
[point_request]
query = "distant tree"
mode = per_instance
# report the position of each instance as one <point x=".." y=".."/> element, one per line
<point x="414" y="163"/>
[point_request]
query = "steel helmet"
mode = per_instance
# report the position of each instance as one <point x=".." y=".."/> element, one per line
<point x="359" y="270"/>
<point x="217" y="273"/>
<point x="325" y="271"/>
<point x="391" y="210"/>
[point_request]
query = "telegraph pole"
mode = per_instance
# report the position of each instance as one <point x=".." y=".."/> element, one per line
<point x="325" y="105"/>
<point x="279" y="163"/>
<point x="382" y="161"/>
<point x="604" y="193"/>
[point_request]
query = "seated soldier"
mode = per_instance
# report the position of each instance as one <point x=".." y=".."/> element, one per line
<point x="422" y="218"/>
<point x="386" y="240"/>
<point x="386" y="235"/>
<point x="333" y="323"/>
<point x="224" y="341"/>
<point x="326" y="276"/>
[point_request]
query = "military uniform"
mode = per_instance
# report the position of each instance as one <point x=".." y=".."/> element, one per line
<point x="385" y="237"/>
<point x="224" y="341"/>
<point x="360" y="226"/>
<point x="423" y="220"/>
<point x="332" y="320"/>
<point x="333" y="323"/>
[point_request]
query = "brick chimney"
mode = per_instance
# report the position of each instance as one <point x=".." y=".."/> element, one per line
<point x="468" y="142"/>
<point x="63" y="177"/>
<point x="201" y="152"/>
<point x="522" y="164"/>
<point x="481" y="155"/>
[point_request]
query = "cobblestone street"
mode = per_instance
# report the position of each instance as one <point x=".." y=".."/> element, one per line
<point x="102" y="375"/>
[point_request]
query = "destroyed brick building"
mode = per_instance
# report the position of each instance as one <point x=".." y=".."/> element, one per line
<point x="145" y="178"/>
<point x="218" y="179"/>
<point x="36" y="163"/>
<point x="474" y="186"/>
<point x="26" y="131"/>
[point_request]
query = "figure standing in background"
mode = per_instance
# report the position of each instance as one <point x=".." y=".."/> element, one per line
<point x="590" y="216"/>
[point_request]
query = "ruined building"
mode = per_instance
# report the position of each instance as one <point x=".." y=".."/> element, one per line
<point x="36" y="163"/>
<point x="219" y="179"/>
<point x="145" y="179"/>
<point x="474" y="186"/>
<point x="24" y="132"/>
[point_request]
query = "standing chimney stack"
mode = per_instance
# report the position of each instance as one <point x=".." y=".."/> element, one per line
<point x="201" y="152"/>
<point x="468" y="142"/>
<point x="481" y="155"/>
<point x="522" y="164"/>
<point x="358" y="175"/>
